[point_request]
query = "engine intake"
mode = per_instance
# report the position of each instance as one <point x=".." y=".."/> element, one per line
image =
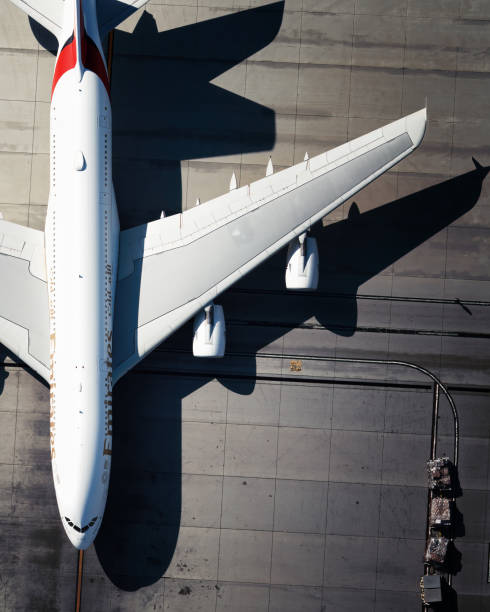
<point x="209" y="332"/>
<point x="302" y="268"/>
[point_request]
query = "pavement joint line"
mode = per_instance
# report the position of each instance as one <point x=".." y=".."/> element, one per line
<point x="222" y="475"/>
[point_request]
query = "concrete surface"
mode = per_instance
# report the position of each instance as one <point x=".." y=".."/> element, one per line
<point x="247" y="484"/>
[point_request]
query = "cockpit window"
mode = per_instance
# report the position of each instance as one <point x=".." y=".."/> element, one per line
<point x="81" y="529"/>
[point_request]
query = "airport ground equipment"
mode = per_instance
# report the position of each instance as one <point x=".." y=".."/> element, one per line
<point x="431" y="589"/>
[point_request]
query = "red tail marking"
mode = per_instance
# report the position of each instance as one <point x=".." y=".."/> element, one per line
<point x="92" y="60"/>
<point x="67" y="60"/>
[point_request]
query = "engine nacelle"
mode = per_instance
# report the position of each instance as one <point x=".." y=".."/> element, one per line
<point x="302" y="268"/>
<point x="209" y="332"/>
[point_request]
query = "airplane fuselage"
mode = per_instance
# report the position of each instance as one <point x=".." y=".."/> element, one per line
<point x="81" y="234"/>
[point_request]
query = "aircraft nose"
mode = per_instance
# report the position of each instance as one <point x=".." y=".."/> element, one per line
<point x="81" y="541"/>
<point x="81" y="537"/>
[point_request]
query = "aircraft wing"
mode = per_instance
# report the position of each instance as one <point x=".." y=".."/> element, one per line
<point x="24" y="316"/>
<point x="49" y="13"/>
<point x="171" y="268"/>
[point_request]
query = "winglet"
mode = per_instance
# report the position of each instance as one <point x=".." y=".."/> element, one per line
<point x="416" y="124"/>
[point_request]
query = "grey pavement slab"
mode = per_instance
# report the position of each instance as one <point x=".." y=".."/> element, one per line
<point x="245" y="556"/>
<point x="7" y="439"/>
<point x="345" y="600"/>
<point x="16" y="124"/>
<point x="15" y="169"/>
<point x="410" y="412"/>
<point x="196" y="554"/>
<point x="473" y="415"/>
<point x="189" y="595"/>
<point x="297" y="558"/>
<point x="322" y="87"/>
<point x="359" y="410"/>
<point x="203" y="448"/>
<point x="207" y="402"/>
<point x="201" y="500"/>
<point x="33" y="493"/>
<point x="350" y="561"/>
<point x="356" y="456"/>
<point x="14" y="66"/>
<point x="399" y="561"/>
<point x="242" y="597"/>
<point x="149" y="598"/>
<point x="248" y="503"/>
<point x="250" y="451"/>
<point x="473" y="557"/>
<point x="376" y="92"/>
<point x="378" y="40"/>
<point x="300" y="506"/>
<point x="353" y="509"/>
<point x="6" y="472"/>
<point x="306" y="406"/>
<point x="39" y="194"/>
<point x="402" y="601"/>
<point x="303" y="453"/>
<point x="404" y="459"/>
<point x="402" y="511"/>
<point x="290" y="598"/>
<point x="261" y="407"/>
<point x="473" y="507"/>
<point x="338" y="28"/>
<point x="473" y="467"/>
<point x="467" y="368"/>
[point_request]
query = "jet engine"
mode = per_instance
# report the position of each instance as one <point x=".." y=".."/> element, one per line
<point x="302" y="264"/>
<point x="209" y="332"/>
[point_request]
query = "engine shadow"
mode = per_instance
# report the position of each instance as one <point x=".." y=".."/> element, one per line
<point x="4" y="374"/>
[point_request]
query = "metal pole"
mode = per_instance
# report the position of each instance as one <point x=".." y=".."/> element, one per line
<point x="435" y="418"/>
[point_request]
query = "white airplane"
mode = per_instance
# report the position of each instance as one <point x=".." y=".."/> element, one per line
<point x="82" y="303"/>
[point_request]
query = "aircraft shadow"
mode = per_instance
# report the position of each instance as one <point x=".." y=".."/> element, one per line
<point x="165" y="110"/>
<point x="141" y="525"/>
